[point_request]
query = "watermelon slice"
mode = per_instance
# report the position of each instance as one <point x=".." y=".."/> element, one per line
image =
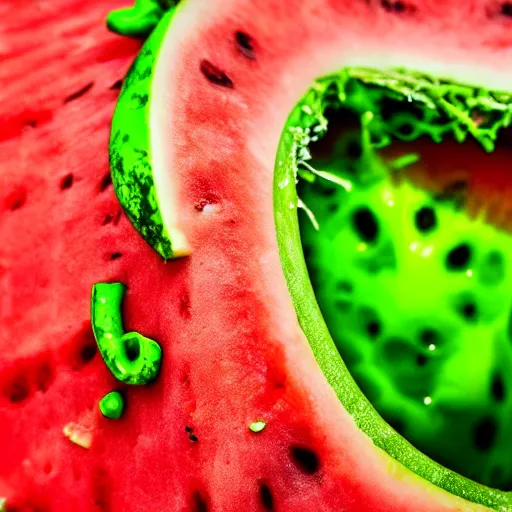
<point x="241" y="416"/>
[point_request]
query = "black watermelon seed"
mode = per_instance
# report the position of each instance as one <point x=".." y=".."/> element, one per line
<point x="425" y="219"/>
<point x="16" y="199"/>
<point x="421" y="360"/>
<point x="88" y="352"/>
<point x="498" y="388"/>
<point x="19" y="389"/>
<point x="198" y="503"/>
<point x="305" y="459"/>
<point x="373" y="329"/>
<point x="79" y="93"/>
<point x="214" y="75"/>
<point x="458" y="258"/>
<point x="484" y="434"/>
<point x="365" y="224"/>
<point x="66" y="182"/>
<point x="429" y="337"/>
<point x="469" y="311"/>
<point x="266" y="497"/>
<point x="116" y="85"/>
<point x="106" y="182"/>
<point x="406" y="129"/>
<point x="245" y="45"/>
<point x="506" y="9"/>
<point x="393" y="6"/>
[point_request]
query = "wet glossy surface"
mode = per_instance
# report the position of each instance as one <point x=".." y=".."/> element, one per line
<point x="415" y="285"/>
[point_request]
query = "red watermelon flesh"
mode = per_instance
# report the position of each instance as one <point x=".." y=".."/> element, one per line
<point x="233" y="350"/>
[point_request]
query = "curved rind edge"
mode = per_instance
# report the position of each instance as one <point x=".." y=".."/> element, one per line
<point x="130" y="155"/>
<point x="331" y="364"/>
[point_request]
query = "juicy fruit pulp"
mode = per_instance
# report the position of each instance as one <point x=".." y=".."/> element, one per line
<point x="413" y="281"/>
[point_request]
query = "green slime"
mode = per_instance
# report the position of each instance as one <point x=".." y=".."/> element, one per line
<point x="418" y="298"/>
<point x="130" y="357"/>
<point x="394" y="301"/>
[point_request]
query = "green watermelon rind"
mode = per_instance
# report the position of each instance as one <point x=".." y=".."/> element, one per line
<point x="286" y="204"/>
<point x="130" y="155"/>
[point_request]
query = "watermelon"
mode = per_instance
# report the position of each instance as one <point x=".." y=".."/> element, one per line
<point x="252" y="407"/>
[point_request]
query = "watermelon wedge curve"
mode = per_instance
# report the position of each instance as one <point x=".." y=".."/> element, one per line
<point x="234" y="353"/>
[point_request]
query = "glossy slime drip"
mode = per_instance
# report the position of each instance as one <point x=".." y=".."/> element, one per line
<point x="130" y="357"/>
<point x="418" y="297"/>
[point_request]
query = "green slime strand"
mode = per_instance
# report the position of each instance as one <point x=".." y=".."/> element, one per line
<point x="131" y="357"/>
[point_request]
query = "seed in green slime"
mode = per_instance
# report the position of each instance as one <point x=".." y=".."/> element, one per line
<point x="485" y="433"/>
<point x="373" y="329"/>
<point x="429" y="337"/>
<point x="498" y="388"/>
<point x="425" y="219"/>
<point x="458" y="258"/>
<point x="469" y="311"/>
<point x="421" y="360"/>
<point x="365" y="224"/>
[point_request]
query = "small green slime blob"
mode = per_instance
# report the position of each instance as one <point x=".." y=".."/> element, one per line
<point x="130" y="357"/>
<point x="112" y="405"/>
